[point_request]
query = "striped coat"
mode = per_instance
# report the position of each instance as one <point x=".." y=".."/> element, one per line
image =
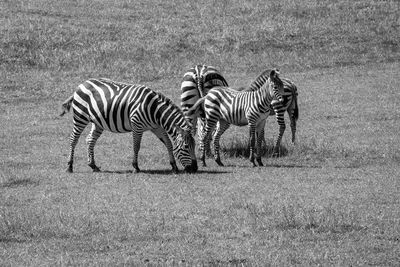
<point x="288" y="103"/>
<point x="228" y="106"/>
<point x="196" y="83"/>
<point x="121" y="108"/>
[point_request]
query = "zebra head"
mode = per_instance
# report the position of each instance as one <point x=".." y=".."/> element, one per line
<point x="184" y="149"/>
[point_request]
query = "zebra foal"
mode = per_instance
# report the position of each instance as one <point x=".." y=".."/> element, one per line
<point x="228" y="106"/>
<point x="288" y="102"/>
<point x="121" y="108"/>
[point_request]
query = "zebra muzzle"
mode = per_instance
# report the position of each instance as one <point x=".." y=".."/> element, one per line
<point x="192" y="168"/>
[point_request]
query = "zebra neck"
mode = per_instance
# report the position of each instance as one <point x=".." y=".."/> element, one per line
<point x="171" y="119"/>
<point x="264" y="93"/>
<point x="259" y="81"/>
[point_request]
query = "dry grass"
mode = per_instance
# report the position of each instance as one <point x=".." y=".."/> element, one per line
<point x="330" y="200"/>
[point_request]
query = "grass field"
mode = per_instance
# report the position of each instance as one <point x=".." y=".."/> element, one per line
<point x="331" y="199"/>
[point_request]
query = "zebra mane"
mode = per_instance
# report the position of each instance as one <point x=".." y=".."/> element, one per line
<point x="259" y="81"/>
<point x="166" y="100"/>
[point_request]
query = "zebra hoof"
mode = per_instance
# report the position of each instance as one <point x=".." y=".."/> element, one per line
<point x="254" y="163"/>
<point x="96" y="169"/>
<point x="69" y="170"/>
<point x="174" y="168"/>
<point x="260" y="162"/>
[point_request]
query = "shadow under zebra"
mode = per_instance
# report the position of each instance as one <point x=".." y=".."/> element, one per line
<point x="237" y="149"/>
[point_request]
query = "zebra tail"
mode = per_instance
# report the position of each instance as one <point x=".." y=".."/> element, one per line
<point x="66" y="105"/>
<point x="197" y="109"/>
<point x="296" y="108"/>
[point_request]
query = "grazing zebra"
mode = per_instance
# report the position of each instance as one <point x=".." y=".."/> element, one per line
<point x="287" y="103"/>
<point x="229" y="106"/>
<point x="196" y="83"/>
<point x="120" y="108"/>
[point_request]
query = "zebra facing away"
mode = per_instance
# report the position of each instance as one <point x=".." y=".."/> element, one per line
<point x="287" y="103"/>
<point x="196" y="83"/>
<point x="229" y="106"/>
<point x="121" y="108"/>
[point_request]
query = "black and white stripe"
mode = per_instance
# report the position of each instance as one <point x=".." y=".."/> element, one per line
<point x="120" y="108"/>
<point x="228" y="106"/>
<point x="196" y="83"/>
<point x="288" y="103"/>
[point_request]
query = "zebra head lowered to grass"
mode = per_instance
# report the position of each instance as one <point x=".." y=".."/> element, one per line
<point x="121" y="108"/>
<point x="228" y="106"/>
<point x="196" y="83"/>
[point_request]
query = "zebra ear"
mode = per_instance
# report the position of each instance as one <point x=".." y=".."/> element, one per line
<point x="274" y="73"/>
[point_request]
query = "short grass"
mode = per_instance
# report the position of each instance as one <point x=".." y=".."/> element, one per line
<point x="331" y="199"/>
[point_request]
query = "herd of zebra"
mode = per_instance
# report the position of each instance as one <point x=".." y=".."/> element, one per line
<point x="208" y="107"/>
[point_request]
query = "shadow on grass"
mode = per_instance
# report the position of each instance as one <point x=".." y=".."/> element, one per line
<point x="117" y="172"/>
<point x="160" y="172"/>
<point x="321" y="228"/>
<point x="241" y="149"/>
<point x="164" y="172"/>
<point x="20" y="182"/>
<point x="212" y="171"/>
<point x="292" y="166"/>
<point x="11" y="240"/>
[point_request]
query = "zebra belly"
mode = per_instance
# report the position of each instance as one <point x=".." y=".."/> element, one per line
<point x="113" y="130"/>
<point x="241" y="122"/>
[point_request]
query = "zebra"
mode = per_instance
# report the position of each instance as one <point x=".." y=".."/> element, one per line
<point x="287" y="103"/>
<point x="196" y="83"/>
<point x="229" y="106"/>
<point x="120" y="108"/>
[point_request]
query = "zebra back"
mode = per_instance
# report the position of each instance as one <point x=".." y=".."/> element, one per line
<point x="233" y="106"/>
<point x="196" y="83"/>
<point x="112" y="105"/>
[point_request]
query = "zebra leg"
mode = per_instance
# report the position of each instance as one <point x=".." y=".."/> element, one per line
<point x="201" y="128"/>
<point x="91" y="140"/>
<point x="260" y="137"/>
<point x="282" y="126"/>
<point x="137" y="139"/>
<point x="252" y="130"/>
<point x="205" y="140"/>
<point x="163" y="136"/>
<point x="73" y="140"/>
<point x="221" y="128"/>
